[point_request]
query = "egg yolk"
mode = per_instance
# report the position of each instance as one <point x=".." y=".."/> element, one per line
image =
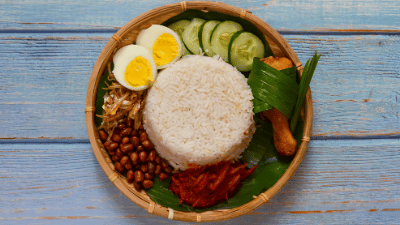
<point x="165" y="49"/>
<point x="138" y="72"/>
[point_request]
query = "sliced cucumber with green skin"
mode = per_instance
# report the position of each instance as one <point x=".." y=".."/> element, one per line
<point x="243" y="47"/>
<point x="221" y="37"/>
<point x="190" y="36"/>
<point x="205" y="35"/>
<point x="179" y="27"/>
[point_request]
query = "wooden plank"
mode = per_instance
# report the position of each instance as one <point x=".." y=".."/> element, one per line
<point x="341" y="14"/>
<point x="44" y="87"/>
<point x="44" y="83"/>
<point x="339" y="181"/>
<point x="293" y="15"/>
<point x="355" y="86"/>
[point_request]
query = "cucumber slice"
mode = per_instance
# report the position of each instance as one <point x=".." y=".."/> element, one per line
<point x="179" y="27"/>
<point x="205" y="36"/>
<point x="221" y="37"/>
<point x="190" y="36"/>
<point x="244" y="46"/>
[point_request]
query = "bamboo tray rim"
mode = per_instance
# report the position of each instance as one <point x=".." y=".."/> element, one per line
<point x="141" y="198"/>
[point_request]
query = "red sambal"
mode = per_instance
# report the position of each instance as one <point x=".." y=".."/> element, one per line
<point x="206" y="186"/>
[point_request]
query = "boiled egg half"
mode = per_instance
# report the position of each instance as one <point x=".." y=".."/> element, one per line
<point x="162" y="42"/>
<point x="134" y="67"/>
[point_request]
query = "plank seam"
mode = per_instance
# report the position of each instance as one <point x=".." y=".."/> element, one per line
<point x="86" y="141"/>
<point x="281" y="31"/>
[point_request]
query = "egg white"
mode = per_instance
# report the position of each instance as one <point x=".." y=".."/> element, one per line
<point x="147" y="37"/>
<point x="124" y="56"/>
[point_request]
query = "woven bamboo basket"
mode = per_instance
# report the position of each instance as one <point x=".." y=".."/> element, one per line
<point x="127" y="35"/>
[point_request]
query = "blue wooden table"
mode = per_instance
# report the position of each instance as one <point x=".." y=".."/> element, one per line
<point x="350" y="173"/>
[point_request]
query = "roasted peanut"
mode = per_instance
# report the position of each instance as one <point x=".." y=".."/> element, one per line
<point x="113" y="146"/>
<point x="143" y="168"/>
<point x="107" y="144"/>
<point x="158" y="160"/>
<point x="164" y="163"/>
<point x="151" y="166"/>
<point x="121" y="126"/>
<point x="152" y="156"/>
<point x="118" y="167"/>
<point x="147" y="184"/>
<point x="128" y="166"/>
<point x="134" y="158"/>
<point x="163" y="176"/>
<point x="138" y="176"/>
<point x="135" y="141"/>
<point x="132" y="151"/>
<point x="124" y="160"/>
<point x="126" y="148"/>
<point x="143" y="156"/>
<point x="111" y="153"/>
<point x="119" y="153"/>
<point x="140" y="148"/>
<point x="147" y="145"/>
<point x="103" y="135"/>
<point x="148" y="176"/>
<point x="125" y="140"/>
<point x="143" y="137"/>
<point x="126" y="132"/>
<point x="168" y="169"/>
<point x="137" y="186"/>
<point x="129" y="176"/>
<point x="115" y="158"/>
<point x="157" y="171"/>
<point x="116" y="138"/>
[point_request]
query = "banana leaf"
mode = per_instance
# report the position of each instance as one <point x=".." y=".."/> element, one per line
<point x="308" y="73"/>
<point x="272" y="87"/>
<point x="100" y="96"/>
<point x="261" y="151"/>
<point x="290" y="72"/>
<point x="258" y="145"/>
<point x="260" y="106"/>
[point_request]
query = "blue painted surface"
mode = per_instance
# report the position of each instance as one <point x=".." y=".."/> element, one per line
<point x="48" y="172"/>
<point x="355" y="87"/>
<point x="63" y="182"/>
<point x="295" y="14"/>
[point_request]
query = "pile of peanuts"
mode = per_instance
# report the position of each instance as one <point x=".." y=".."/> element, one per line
<point x="133" y="153"/>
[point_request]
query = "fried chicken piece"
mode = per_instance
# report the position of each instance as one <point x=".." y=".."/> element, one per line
<point x="278" y="63"/>
<point x="284" y="141"/>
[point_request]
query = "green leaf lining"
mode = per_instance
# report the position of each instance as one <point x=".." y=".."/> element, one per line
<point x="272" y="87"/>
<point x="261" y="150"/>
<point x="305" y="81"/>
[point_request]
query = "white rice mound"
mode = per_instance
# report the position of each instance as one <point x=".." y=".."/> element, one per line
<point x="199" y="111"/>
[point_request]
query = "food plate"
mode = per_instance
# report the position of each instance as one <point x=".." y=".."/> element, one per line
<point x="282" y="168"/>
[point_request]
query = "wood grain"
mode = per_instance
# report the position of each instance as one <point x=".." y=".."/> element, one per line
<point x="351" y="181"/>
<point x="293" y="15"/>
<point x="349" y="175"/>
<point x="45" y="78"/>
<point x="355" y="87"/>
<point x="43" y="91"/>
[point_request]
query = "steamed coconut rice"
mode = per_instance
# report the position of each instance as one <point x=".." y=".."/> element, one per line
<point x="199" y="111"/>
